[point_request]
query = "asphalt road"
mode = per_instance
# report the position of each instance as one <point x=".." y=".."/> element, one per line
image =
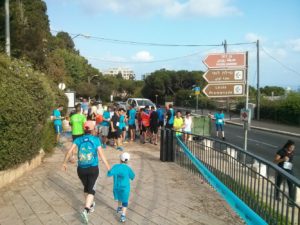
<point x="262" y="143"/>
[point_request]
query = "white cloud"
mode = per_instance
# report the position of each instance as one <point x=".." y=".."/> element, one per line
<point x="274" y="52"/>
<point x="211" y="8"/>
<point x="168" y="8"/>
<point x="295" y="44"/>
<point x="252" y="37"/>
<point x="143" y="56"/>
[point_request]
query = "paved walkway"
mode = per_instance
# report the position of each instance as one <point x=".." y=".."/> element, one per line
<point x="162" y="193"/>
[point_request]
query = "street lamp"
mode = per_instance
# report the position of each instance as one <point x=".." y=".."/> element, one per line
<point x="91" y="77"/>
<point x="156" y="99"/>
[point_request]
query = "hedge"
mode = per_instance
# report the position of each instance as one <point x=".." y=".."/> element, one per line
<point x="26" y="101"/>
<point x="286" y="110"/>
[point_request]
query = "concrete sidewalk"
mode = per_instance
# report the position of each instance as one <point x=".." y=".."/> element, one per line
<point x="162" y="193"/>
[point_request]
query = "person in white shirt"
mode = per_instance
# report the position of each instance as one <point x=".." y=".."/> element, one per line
<point x="187" y="126"/>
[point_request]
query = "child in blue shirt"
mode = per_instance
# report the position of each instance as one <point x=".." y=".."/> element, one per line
<point x="121" y="189"/>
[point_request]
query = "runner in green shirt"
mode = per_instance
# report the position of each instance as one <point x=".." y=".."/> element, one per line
<point x="77" y="121"/>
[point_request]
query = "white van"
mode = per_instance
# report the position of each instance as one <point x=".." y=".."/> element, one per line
<point x="139" y="103"/>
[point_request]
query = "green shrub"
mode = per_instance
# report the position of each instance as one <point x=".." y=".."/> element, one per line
<point x="27" y="100"/>
<point x="48" y="137"/>
<point x="285" y="111"/>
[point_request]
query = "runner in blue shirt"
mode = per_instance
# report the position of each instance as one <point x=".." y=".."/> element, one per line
<point x="122" y="125"/>
<point x="170" y="117"/>
<point x="131" y="122"/>
<point x="88" y="149"/>
<point x="219" y="120"/>
<point x="122" y="175"/>
<point x="104" y="126"/>
<point x="161" y="116"/>
<point x="57" y="120"/>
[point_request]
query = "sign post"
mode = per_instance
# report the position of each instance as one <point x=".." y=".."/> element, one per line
<point x="227" y="77"/>
<point x="197" y="93"/>
<point x="246" y="124"/>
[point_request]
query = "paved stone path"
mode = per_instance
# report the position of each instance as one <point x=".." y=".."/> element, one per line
<point x="162" y="193"/>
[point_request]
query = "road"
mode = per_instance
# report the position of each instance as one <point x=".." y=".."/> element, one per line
<point x="262" y="143"/>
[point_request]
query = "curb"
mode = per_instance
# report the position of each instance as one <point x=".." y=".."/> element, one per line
<point x="265" y="129"/>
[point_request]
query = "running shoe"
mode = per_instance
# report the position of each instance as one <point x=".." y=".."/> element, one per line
<point x="84" y="216"/>
<point x="119" y="209"/>
<point x="123" y="218"/>
<point x="120" y="148"/>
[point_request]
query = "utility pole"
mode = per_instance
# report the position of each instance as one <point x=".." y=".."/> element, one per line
<point x="7" y="30"/>
<point x="246" y="124"/>
<point x="227" y="99"/>
<point x="225" y="46"/>
<point x="258" y="88"/>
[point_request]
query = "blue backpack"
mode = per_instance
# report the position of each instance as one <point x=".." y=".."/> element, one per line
<point x="87" y="153"/>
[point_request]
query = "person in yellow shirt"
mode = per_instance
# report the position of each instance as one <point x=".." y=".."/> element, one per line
<point x="178" y="123"/>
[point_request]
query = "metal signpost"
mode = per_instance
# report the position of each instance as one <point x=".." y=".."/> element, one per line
<point x="197" y="93"/>
<point x="227" y="77"/>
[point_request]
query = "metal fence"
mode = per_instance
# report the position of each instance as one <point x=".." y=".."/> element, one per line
<point x="251" y="178"/>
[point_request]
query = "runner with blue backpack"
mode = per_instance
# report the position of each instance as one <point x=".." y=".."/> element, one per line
<point x="88" y="150"/>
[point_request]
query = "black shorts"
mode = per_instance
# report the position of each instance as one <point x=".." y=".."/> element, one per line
<point x="144" y="128"/>
<point x="169" y="126"/>
<point x="132" y="127"/>
<point x="116" y="134"/>
<point x="161" y="123"/>
<point x="154" y="129"/>
<point x="88" y="177"/>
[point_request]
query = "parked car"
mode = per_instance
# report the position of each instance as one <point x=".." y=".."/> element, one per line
<point x="120" y="104"/>
<point x="139" y="103"/>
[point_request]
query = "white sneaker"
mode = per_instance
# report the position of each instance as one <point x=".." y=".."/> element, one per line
<point x="84" y="216"/>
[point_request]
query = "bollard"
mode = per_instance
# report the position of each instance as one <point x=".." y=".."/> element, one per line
<point x="167" y="145"/>
<point x="259" y="168"/>
<point x="208" y="144"/>
<point x="170" y="146"/>
<point x="232" y="152"/>
<point x="297" y="195"/>
<point x="163" y="145"/>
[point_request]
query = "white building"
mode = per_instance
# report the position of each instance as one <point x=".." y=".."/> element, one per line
<point x="127" y="74"/>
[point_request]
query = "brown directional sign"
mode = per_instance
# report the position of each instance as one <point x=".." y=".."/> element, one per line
<point x="220" y="76"/>
<point x="225" y="60"/>
<point x="224" y="90"/>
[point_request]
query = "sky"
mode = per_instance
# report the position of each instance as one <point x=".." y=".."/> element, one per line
<point x="100" y="27"/>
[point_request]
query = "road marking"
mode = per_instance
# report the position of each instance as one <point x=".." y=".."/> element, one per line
<point x="260" y="142"/>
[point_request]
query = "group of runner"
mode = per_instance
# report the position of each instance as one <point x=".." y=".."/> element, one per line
<point x="94" y="127"/>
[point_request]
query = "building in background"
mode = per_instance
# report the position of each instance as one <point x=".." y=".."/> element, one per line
<point x="125" y="73"/>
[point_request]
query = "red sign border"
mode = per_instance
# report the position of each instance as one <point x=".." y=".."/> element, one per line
<point x="225" y="67"/>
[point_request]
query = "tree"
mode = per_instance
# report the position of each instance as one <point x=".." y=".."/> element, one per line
<point x="272" y="90"/>
<point x="56" y="68"/>
<point x="86" y="90"/>
<point x="65" y="41"/>
<point x="168" y="83"/>
<point x="30" y="30"/>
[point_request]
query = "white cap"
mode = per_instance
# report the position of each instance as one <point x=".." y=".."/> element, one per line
<point x="125" y="156"/>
